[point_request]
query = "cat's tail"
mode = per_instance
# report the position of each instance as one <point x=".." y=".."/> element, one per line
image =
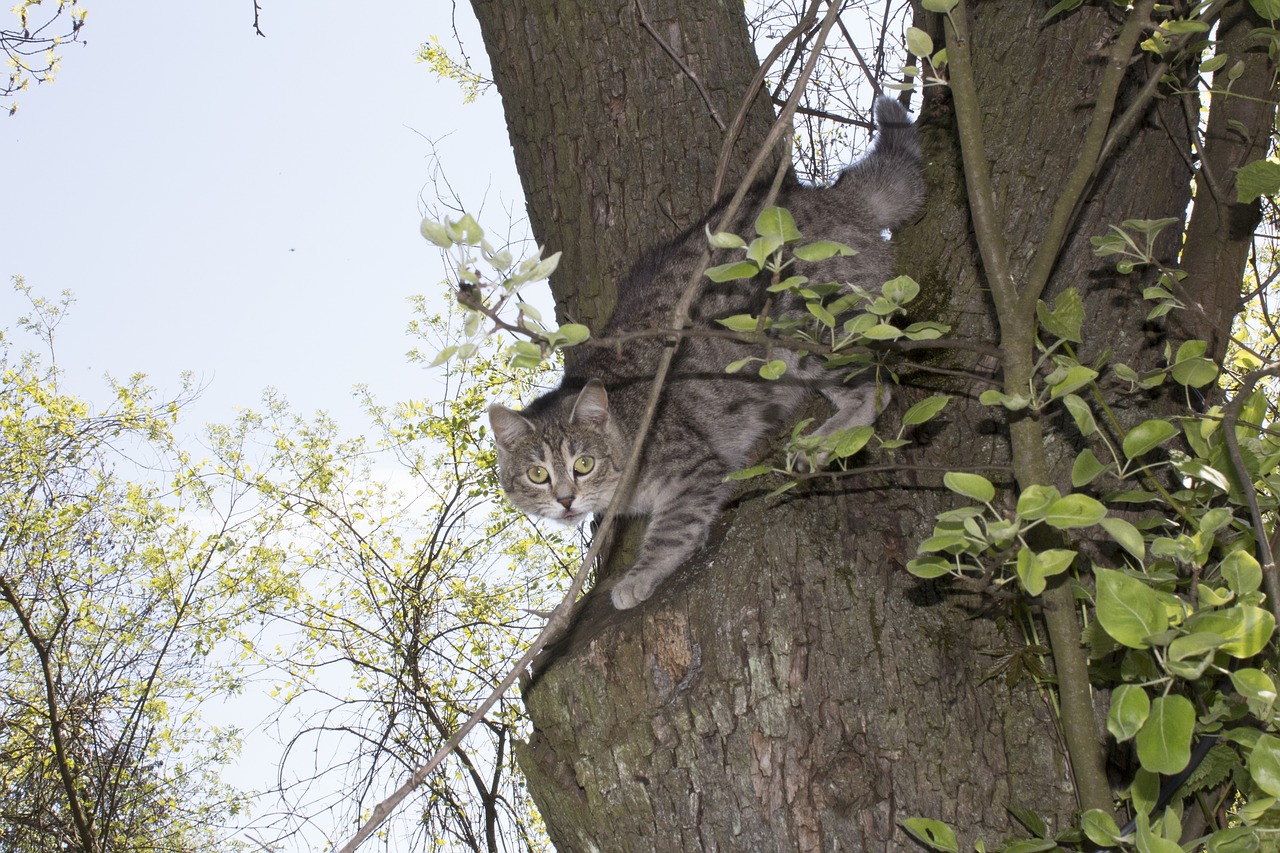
<point x="888" y="178"/>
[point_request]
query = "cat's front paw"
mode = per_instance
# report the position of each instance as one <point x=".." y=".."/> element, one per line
<point x="633" y="588"/>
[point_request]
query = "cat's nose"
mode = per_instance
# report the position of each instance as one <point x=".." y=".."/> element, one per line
<point x="565" y="502"/>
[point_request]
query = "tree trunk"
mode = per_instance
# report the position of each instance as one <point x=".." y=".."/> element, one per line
<point x="794" y="688"/>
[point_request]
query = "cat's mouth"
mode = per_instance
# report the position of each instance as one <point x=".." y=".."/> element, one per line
<point x="573" y="516"/>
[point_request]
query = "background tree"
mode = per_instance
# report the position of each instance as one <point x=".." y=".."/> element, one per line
<point x="796" y="689"/>
<point x="111" y="601"/>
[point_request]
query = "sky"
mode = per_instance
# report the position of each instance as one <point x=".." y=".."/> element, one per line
<point x="245" y="208"/>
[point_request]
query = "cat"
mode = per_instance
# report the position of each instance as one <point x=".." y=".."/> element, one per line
<point x="562" y="456"/>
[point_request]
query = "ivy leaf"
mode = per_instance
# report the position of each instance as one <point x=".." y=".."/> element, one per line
<point x="1164" y="742"/>
<point x="939" y="6"/>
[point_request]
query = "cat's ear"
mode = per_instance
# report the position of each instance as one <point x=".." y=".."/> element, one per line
<point x="592" y="406"/>
<point x="508" y="425"/>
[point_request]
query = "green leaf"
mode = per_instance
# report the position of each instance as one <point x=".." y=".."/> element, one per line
<point x="1058" y="9"/>
<point x="1164" y="741"/>
<point x="1074" y="511"/>
<point x="1098" y="826"/>
<point x="918" y="42"/>
<point x="1247" y="628"/>
<point x="1194" y="372"/>
<point x="1035" y="501"/>
<point x="1239" y="839"/>
<point x="773" y="369"/>
<point x="1077" y="376"/>
<point x="762" y="249"/>
<point x="735" y="366"/>
<point x="776" y="222"/>
<point x="740" y="322"/>
<point x="820" y="250"/>
<point x="882" y="332"/>
<point x="1257" y="689"/>
<point x="1032" y="821"/>
<point x="726" y="240"/>
<point x="730" y="272"/>
<point x="1264" y="764"/>
<point x="1029" y="574"/>
<point x="1128" y="609"/>
<point x="1241" y="572"/>
<point x="1269" y="9"/>
<point x="929" y="568"/>
<point x="973" y="486"/>
<point x="1126" y="535"/>
<point x="847" y="442"/>
<point x="1081" y="414"/>
<point x="748" y="473"/>
<point x="940" y="6"/>
<point x="901" y="290"/>
<point x="1194" y="646"/>
<point x="1012" y="402"/>
<point x="925" y="410"/>
<point x="1130" y="707"/>
<point x="1259" y="178"/>
<point x="436" y="233"/>
<point x="934" y="834"/>
<point x="1085" y="469"/>
<point x="925" y="331"/>
<point x="1066" y="318"/>
<point x="574" y="333"/>
<point x="1147" y="436"/>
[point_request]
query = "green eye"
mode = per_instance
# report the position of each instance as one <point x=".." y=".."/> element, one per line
<point x="584" y="464"/>
<point x="538" y="474"/>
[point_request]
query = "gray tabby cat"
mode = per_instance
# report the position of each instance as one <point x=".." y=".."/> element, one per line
<point x="562" y="456"/>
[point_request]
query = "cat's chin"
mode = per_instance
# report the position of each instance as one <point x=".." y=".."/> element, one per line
<point x="574" y="517"/>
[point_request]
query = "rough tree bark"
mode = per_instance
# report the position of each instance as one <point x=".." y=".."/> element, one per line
<point x="794" y="688"/>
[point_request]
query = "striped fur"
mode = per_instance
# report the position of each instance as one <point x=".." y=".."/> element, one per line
<point x="709" y="423"/>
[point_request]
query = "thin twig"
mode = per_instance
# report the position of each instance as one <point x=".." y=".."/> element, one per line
<point x="688" y="72"/>
<point x="1230" y="415"/>
<point x="558" y="624"/>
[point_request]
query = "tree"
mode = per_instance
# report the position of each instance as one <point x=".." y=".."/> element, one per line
<point x="111" y="600"/>
<point x="414" y="584"/>
<point x="797" y="688"/>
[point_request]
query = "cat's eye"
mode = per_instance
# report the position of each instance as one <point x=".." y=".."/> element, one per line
<point x="538" y="474"/>
<point x="584" y="464"/>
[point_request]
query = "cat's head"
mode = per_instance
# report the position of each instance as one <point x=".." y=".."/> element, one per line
<point x="561" y="458"/>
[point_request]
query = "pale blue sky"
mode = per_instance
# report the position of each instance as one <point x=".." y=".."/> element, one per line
<point x="240" y="207"/>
